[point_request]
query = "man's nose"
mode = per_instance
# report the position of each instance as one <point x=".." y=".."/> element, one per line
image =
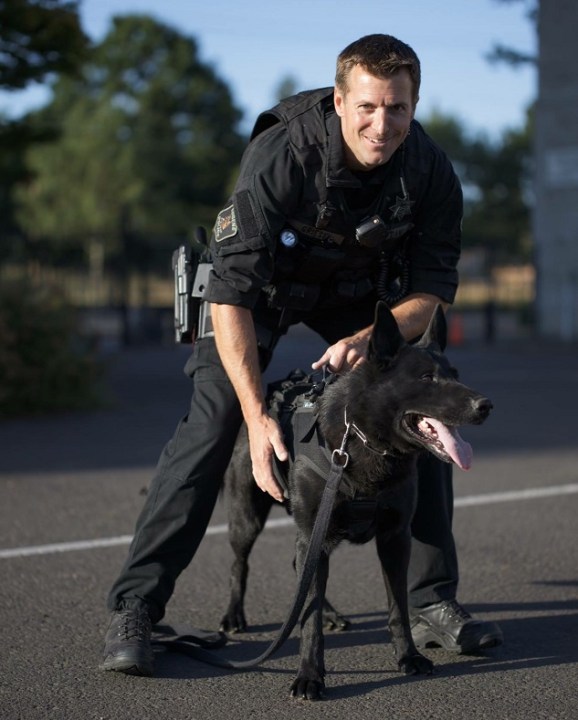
<point x="379" y="123"/>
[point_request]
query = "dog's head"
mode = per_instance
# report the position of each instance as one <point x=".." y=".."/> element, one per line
<point x="414" y="398"/>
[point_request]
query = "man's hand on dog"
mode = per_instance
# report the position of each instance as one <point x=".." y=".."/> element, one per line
<point x="265" y="442"/>
<point x="345" y="354"/>
<point x="265" y="436"/>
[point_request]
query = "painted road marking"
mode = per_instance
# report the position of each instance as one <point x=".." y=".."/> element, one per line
<point x="467" y="501"/>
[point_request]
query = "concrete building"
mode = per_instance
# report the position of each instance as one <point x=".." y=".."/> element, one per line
<point x="556" y="154"/>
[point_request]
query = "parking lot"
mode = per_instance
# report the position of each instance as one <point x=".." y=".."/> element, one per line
<point x="71" y="487"/>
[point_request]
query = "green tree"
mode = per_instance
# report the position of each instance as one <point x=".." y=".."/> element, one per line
<point x="45" y="364"/>
<point x="37" y="39"/>
<point x="148" y="139"/>
<point x="510" y="56"/>
<point x="496" y="177"/>
<point x="500" y="218"/>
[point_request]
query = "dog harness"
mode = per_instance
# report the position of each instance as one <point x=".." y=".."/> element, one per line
<point x="293" y="402"/>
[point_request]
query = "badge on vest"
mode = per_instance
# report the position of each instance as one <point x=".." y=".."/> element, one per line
<point x="226" y="224"/>
<point x="403" y="204"/>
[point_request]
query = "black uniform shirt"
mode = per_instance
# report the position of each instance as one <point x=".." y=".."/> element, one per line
<point x="272" y="190"/>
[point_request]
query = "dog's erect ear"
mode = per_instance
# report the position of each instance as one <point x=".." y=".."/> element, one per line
<point x="437" y="330"/>
<point x="385" y="339"/>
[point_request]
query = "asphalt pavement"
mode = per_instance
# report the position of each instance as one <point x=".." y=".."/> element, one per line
<point x="71" y="487"/>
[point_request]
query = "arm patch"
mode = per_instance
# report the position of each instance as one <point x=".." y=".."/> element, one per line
<point x="225" y="224"/>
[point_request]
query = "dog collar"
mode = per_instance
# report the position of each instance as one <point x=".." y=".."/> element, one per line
<point x="350" y="426"/>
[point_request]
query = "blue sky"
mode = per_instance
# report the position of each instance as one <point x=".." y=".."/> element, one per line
<point x="253" y="44"/>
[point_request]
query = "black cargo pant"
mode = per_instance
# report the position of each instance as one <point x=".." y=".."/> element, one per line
<point x="188" y="477"/>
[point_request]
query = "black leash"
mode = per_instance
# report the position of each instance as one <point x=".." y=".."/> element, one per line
<point x="339" y="460"/>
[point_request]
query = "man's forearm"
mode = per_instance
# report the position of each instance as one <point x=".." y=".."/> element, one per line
<point x="237" y="346"/>
<point x="412" y="315"/>
<point x="414" y="312"/>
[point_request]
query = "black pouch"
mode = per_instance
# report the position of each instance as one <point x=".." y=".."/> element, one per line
<point x="354" y="289"/>
<point x="294" y="296"/>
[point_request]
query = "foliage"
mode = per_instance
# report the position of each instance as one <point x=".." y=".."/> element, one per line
<point x="496" y="177"/>
<point x="500" y="219"/>
<point x="148" y="140"/>
<point x="43" y="364"/>
<point x="38" y="37"/>
<point x="510" y="56"/>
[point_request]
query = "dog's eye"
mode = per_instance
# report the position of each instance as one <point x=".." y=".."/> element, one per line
<point x="427" y="377"/>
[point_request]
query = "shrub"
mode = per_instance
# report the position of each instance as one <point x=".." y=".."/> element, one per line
<point x="45" y="364"/>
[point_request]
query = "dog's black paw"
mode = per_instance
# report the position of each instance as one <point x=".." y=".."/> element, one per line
<point x="233" y="622"/>
<point x="416" y="665"/>
<point x="304" y="688"/>
<point x="334" y="622"/>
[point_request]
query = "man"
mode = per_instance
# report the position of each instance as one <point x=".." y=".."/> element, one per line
<point x="342" y="199"/>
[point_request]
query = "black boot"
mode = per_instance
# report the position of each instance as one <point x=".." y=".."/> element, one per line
<point x="127" y="645"/>
<point x="448" y="625"/>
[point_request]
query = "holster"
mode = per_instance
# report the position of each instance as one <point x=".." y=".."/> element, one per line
<point x="191" y="314"/>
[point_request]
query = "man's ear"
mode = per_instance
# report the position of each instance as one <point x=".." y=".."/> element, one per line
<point x="386" y="339"/>
<point x="338" y="100"/>
<point x="437" y="330"/>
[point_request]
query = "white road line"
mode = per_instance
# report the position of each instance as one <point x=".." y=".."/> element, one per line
<point x="468" y="501"/>
<point x="529" y="494"/>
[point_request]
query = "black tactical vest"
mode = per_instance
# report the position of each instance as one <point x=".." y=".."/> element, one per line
<point x="327" y="250"/>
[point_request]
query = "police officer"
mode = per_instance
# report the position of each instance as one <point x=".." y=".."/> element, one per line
<point x="342" y="200"/>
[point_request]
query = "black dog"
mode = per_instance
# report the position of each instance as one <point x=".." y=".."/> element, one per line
<point x="404" y="399"/>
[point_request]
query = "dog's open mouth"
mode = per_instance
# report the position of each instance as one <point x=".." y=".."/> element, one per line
<point x="442" y="440"/>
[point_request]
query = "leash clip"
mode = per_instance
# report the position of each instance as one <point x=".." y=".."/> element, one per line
<point x="350" y="427"/>
<point x="340" y="457"/>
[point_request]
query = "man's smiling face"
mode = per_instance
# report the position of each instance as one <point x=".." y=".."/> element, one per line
<point x="375" y="116"/>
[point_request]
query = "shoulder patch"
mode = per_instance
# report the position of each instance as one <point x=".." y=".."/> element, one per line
<point x="226" y="224"/>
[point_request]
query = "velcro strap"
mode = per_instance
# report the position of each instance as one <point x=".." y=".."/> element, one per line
<point x="246" y="216"/>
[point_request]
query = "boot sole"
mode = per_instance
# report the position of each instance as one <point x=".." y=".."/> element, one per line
<point x="128" y="665"/>
<point x="429" y="638"/>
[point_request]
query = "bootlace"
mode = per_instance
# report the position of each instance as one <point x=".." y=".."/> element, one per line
<point x="135" y="624"/>
<point x="454" y="609"/>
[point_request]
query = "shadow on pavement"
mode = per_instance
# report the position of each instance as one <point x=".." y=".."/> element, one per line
<point x="531" y="641"/>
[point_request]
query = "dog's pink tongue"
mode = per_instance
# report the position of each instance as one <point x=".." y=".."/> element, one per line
<point x="455" y="446"/>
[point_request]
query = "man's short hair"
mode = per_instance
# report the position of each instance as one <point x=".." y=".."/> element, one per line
<point x="379" y="55"/>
